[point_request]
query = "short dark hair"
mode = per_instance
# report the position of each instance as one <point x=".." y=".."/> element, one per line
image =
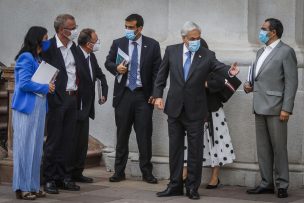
<point x="32" y="40"/>
<point x="276" y="25"/>
<point x="136" y="17"/>
<point x="85" y="36"/>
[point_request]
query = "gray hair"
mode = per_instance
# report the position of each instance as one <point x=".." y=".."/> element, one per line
<point x="61" y="20"/>
<point x="188" y="27"/>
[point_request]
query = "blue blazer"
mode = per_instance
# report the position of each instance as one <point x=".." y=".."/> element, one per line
<point x="24" y="96"/>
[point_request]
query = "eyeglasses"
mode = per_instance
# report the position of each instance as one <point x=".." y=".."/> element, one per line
<point x="97" y="42"/>
<point x="70" y="29"/>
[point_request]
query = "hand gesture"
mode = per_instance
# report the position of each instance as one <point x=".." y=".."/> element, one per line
<point x="234" y="69"/>
<point x="102" y="100"/>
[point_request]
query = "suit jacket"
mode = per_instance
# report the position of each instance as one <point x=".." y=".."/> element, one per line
<point x="54" y="57"/>
<point x="149" y="64"/>
<point x="25" y="89"/>
<point x="86" y="89"/>
<point x="190" y="95"/>
<point x="275" y="85"/>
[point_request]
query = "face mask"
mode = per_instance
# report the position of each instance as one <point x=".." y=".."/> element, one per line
<point x="73" y="35"/>
<point x="194" y="45"/>
<point x="130" y="34"/>
<point x="263" y="36"/>
<point x="96" y="47"/>
<point x="45" y="45"/>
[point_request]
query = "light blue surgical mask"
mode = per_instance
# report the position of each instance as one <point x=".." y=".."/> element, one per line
<point x="263" y="37"/>
<point x="194" y="45"/>
<point x="130" y="34"/>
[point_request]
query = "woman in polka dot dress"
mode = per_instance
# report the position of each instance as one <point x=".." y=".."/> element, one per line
<point x="218" y="149"/>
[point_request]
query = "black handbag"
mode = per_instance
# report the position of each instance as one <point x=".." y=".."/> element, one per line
<point x="231" y="85"/>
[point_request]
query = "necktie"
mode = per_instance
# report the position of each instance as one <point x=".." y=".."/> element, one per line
<point x="187" y="65"/>
<point x="133" y="70"/>
<point x="88" y="62"/>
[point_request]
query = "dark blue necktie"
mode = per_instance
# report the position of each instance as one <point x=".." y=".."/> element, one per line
<point x="187" y="65"/>
<point x="133" y="70"/>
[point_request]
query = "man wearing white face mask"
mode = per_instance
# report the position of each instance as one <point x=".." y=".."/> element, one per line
<point x="189" y="64"/>
<point x="62" y="114"/>
<point x="89" y="71"/>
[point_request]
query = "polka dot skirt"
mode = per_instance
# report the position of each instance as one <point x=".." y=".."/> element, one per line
<point x="221" y="152"/>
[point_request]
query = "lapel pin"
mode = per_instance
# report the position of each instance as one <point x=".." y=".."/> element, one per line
<point x="199" y="56"/>
<point x="145" y="46"/>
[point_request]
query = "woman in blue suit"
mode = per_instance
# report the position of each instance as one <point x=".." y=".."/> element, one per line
<point x="29" y="112"/>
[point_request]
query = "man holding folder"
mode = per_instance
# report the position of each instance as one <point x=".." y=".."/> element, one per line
<point x="132" y="94"/>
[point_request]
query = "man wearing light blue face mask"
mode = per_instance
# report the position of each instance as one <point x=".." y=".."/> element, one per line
<point x="274" y="86"/>
<point x="189" y="65"/>
<point x="132" y="95"/>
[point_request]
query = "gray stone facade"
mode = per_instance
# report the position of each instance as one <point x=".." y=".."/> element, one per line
<point x="229" y="26"/>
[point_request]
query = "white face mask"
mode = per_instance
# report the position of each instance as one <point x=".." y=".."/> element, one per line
<point x="73" y="35"/>
<point x="96" y="47"/>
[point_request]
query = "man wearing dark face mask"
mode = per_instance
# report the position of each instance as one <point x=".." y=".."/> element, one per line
<point x="89" y="71"/>
<point x="62" y="114"/>
<point x="274" y="86"/>
<point x="132" y="95"/>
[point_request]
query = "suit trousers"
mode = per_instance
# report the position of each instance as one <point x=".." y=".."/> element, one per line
<point x="60" y="143"/>
<point x="134" y="110"/>
<point x="194" y="129"/>
<point x="271" y="138"/>
<point x="82" y="134"/>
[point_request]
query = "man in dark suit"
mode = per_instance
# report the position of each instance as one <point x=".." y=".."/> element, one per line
<point x="189" y="65"/>
<point x="62" y="113"/>
<point x="89" y="70"/>
<point x="132" y="95"/>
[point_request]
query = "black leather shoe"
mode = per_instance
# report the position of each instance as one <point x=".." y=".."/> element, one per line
<point x="69" y="185"/>
<point x="260" y="190"/>
<point x="150" y="179"/>
<point x="192" y="194"/>
<point x="51" y="188"/>
<point x="282" y="193"/>
<point x="83" y="179"/>
<point x="170" y="191"/>
<point x="213" y="186"/>
<point x="117" y="178"/>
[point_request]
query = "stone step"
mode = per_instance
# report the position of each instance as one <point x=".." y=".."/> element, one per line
<point x="3" y="110"/>
<point x="3" y="94"/>
<point x="3" y="126"/>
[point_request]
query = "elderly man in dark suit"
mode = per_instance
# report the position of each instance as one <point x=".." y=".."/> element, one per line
<point x="89" y="71"/>
<point x="132" y="95"/>
<point x="189" y="65"/>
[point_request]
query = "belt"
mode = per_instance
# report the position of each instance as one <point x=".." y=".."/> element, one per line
<point x="137" y="89"/>
<point x="71" y="92"/>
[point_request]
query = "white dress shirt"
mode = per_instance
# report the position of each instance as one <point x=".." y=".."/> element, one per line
<point x="267" y="50"/>
<point x="131" y="48"/>
<point x="86" y="55"/>
<point x="69" y="63"/>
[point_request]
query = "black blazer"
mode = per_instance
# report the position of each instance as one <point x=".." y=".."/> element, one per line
<point x="189" y="95"/>
<point x="149" y="64"/>
<point x="54" y="57"/>
<point x="216" y="83"/>
<point x="86" y="89"/>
